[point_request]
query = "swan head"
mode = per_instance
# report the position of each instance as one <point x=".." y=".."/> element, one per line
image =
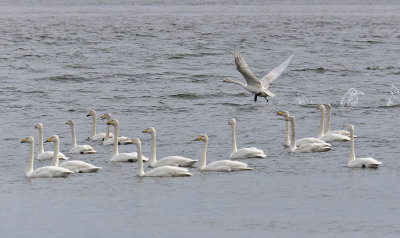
<point x="321" y="107"/>
<point x="38" y="125"/>
<point x="70" y="122"/>
<point x="228" y="80"/>
<point x="203" y="137"/>
<point x="136" y="141"/>
<point x="150" y="130"/>
<point x="292" y="120"/>
<point x="232" y="122"/>
<point x="28" y="139"/>
<point x="91" y="113"/>
<point x="351" y="129"/>
<point x="106" y="116"/>
<point x="113" y="122"/>
<point x="53" y="138"/>
<point x="328" y="106"/>
<point x="283" y="113"/>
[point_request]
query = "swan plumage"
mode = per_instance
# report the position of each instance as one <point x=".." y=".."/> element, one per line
<point x="311" y="147"/>
<point x="327" y="125"/>
<point x="258" y="87"/>
<point x="299" y="142"/>
<point x="330" y="136"/>
<point x="76" y="166"/>
<point x="174" y="160"/>
<point x="45" y="155"/>
<point x="219" y="165"/>
<point x="121" y="157"/>
<point x="42" y="172"/>
<point x="162" y="171"/>
<point x="243" y="153"/>
<point x="78" y="149"/>
<point x="354" y="162"/>
<point x="95" y="136"/>
<point x="109" y="139"/>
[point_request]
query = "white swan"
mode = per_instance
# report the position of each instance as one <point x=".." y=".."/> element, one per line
<point x="299" y="142"/>
<point x="254" y="85"/>
<point x="76" y="166"/>
<point x="163" y="171"/>
<point x="45" y="155"/>
<point x="175" y="160"/>
<point x="42" y="172"/>
<point x="330" y="136"/>
<point x="328" y="123"/>
<point x="78" y="149"/>
<point x="93" y="136"/>
<point x="311" y="147"/>
<point x="121" y="157"/>
<point x="243" y="153"/>
<point x="220" y="165"/>
<point x="359" y="162"/>
<point x="109" y="139"/>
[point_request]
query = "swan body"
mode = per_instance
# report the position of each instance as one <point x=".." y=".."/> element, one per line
<point x="179" y="161"/>
<point x="45" y="155"/>
<point x="162" y="171"/>
<point x="42" y="172"/>
<point x="299" y="142"/>
<point x="78" y="149"/>
<point x="243" y="153"/>
<point x="330" y="136"/>
<point x="311" y="147"/>
<point x="354" y="162"/>
<point x="220" y="165"/>
<point x="76" y="166"/>
<point x="95" y="136"/>
<point x="108" y="140"/>
<point x="121" y="157"/>
<point x="258" y="87"/>
<point x="328" y="123"/>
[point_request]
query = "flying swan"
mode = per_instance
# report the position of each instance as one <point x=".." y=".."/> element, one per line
<point x="354" y="162"/>
<point x="243" y="153"/>
<point x="121" y="157"/>
<point x="254" y="85"/>
<point x="330" y="136"/>
<point x="163" y="171"/>
<point x="312" y="147"/>
<point x="220" y="165"/>
<point x="42" y="172"/>
<point x="76" y="166"/>
<point x="45" y="155"/>
<point x="175" y="160"/>
<point x="78" y="149"/>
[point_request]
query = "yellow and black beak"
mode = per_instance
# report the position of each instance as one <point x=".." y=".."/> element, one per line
<point x="145" y="131"/>
<point x="49" y="140"/>
<point x="198" y="138"/>
<point x="109" y="123"/>
<point x="24" y="140"/>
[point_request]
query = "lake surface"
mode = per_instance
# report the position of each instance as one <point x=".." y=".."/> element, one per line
<point x="162" y="64"/>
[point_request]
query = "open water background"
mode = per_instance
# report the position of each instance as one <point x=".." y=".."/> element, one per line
<point x="161" y="64"/>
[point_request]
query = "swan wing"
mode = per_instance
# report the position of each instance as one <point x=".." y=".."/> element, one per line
<point x="127" y="157"/>
<point x="168" y="171"/>
<point x="49" y="172"/>
<point x="244" y="69"/>
<point x="78" y="166"/>
<point x="313" y="147"/>
<point x="83" y="149"/>
<point x="245" y="153"/>
<point x="47" y="155"/>
<point x="226" y="165"/>
<point x="98" y="137"/>
<point x="334" y="137"/>
<point x="308" y="140"/>
<point x="275" y="73"/>
<point x="367" y="162"/>
<point x="178" y="161"/>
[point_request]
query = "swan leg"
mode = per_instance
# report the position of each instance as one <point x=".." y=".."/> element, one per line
<point x="255" y="97"/>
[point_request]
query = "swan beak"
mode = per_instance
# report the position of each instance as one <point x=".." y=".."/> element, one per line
<point x="279" y="113"/>
<point x="48" y="140"/>
<point x="103" y="117"/>
<point x="145" y="131"/>
<point x="24" y="140"/>
<point x="88" y="115"/>
<point x="131" y="142"/>
<point x="109" y="123"/>
<point x="198" y="138"/>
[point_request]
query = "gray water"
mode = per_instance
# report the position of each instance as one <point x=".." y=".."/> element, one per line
<point x="162" y="64"/>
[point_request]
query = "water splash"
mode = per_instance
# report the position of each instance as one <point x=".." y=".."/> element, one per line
<point x="394" y="97"/>
<point x="303" y="100"/>
<point x="350" y="98"/>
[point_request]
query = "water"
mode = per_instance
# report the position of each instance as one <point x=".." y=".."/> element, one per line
<point x="162" y="64"/>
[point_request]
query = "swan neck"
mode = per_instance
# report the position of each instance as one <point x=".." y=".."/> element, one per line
<point x="74" y="144"/>
<point x="29" y="168"/>
<point x="287" y="134"/>
<point x="107" y="133"/>
<point x="115" y="148"/>
<point x="41" y="149"/>
<point x="234" y="148"/>
<point x="293" y="145"/>
<point x="93" y="127"/>
<point x="56" y="155"/>
<point x="203" y="160"/>
<point x="328" y="121"/>
<point x="238" y="83"/>
<point x="153" y="156"/>
<point x="140" y="171"/>
<point x="321" y="125"/>
<point x="352" y="154"/>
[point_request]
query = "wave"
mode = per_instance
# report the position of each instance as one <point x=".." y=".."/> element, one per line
<point x="65" y="78"/>
<point x="379" y="67"/>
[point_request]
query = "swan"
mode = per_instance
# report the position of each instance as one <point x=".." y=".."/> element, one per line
<point x="299" y="142"/>
<point x="311" y="147"/>
<point x="108" y="140"/>
<point x="93" y="136"/>
<point x="330" y="136"/>
<point x="78" y="149"/>
<point x="254" y="85"/>
<point x="76" y="166"/>
<point x="243" y="153"/>
<point x="359" y="162"/>
<point x="162" y="171"/>
<point x="121" y="157"/>
<point x="45" y="155"/>
<point x="220" y="165"/>
<point x="328" y="123"/>
<point x="169" y="160"/>
<point x="42" y="172"/>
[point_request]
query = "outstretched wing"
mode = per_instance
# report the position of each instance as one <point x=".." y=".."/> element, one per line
<point x="275" y="73"/>
<point x="244" y="69"/>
